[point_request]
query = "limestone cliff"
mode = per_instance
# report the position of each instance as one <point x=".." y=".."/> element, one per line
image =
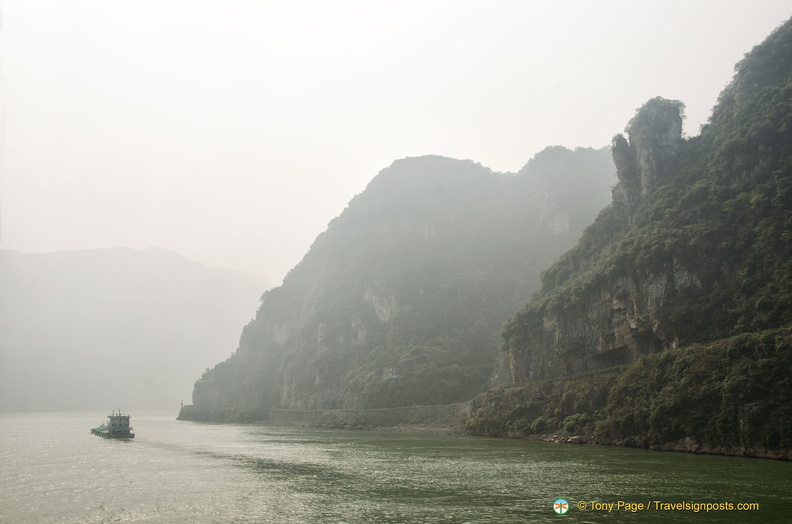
<point x="613" y="320"/>
<point x="401" y="301"/>
<point x="695" y="245"/>
<point x="651" y="154"/>
<point x="611" y="324"/>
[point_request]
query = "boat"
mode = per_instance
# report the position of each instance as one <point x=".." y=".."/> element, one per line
<point x="117" y="426"/>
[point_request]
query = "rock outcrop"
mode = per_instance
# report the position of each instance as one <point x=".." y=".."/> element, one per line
<point x="655" y="137"/>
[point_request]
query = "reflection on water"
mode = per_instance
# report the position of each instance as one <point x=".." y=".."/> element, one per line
<point x="190" y="472"/>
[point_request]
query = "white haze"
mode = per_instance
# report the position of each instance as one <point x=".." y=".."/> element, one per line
<point x="234" y="131"/>
<point x="135" y="328"/>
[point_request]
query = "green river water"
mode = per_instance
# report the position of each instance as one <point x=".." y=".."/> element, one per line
<point x="53" y="470"/>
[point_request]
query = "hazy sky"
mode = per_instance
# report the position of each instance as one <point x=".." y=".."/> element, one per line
<point x="234" y="131"/>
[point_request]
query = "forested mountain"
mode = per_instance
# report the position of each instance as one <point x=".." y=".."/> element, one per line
<point x="402" y="299"/>
<point x="668" y="325"/>
<point x="109" y="328"/>
<point x="697" y="243"/>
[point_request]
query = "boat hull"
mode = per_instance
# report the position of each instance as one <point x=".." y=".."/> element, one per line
<point x="109" y="435"/>
<point x="116" y="427"/>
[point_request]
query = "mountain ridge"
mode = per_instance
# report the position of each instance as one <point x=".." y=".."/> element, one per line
<point x="667" y="326"/>
<point x="401" y="299"/>
<point x="669" y="262"/>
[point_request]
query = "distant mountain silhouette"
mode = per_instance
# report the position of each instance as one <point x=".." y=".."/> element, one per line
<point x="109" y="328"/>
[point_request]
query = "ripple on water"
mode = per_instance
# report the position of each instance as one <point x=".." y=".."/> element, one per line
<point x="189" y="472"/>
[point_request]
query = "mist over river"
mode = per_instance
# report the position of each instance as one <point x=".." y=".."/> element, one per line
<point x="53" y="470"/>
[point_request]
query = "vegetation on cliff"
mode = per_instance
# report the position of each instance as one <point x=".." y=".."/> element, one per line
<point x="699" y="232"/>
<point x="401" y="301"/>
<point x="732" y="396"/>
<point x="694" y="247"/>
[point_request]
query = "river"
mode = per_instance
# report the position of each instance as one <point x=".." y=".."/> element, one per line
<point x="53" y="470"/>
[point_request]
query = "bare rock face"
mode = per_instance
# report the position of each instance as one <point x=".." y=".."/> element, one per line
<point x="626" y="169"/>
<point x="613" y="322"/>
<point x="655" y="135"/>
<point x="613" y="325"/>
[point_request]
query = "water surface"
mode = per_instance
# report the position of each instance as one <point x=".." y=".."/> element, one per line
<point x="53" y="470"/>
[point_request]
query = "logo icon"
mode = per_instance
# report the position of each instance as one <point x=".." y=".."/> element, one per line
<point x="560" y="506"/>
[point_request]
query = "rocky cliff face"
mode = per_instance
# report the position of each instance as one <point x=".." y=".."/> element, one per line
<point x="400" y="302"/>
<point x="609" y="325"/>
<point x="694" y="245"/>
<point x="614" y="320"/>
<point x="655" y="137"/>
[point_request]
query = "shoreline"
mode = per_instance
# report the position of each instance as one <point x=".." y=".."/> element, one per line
<point x="447" y="427"/>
